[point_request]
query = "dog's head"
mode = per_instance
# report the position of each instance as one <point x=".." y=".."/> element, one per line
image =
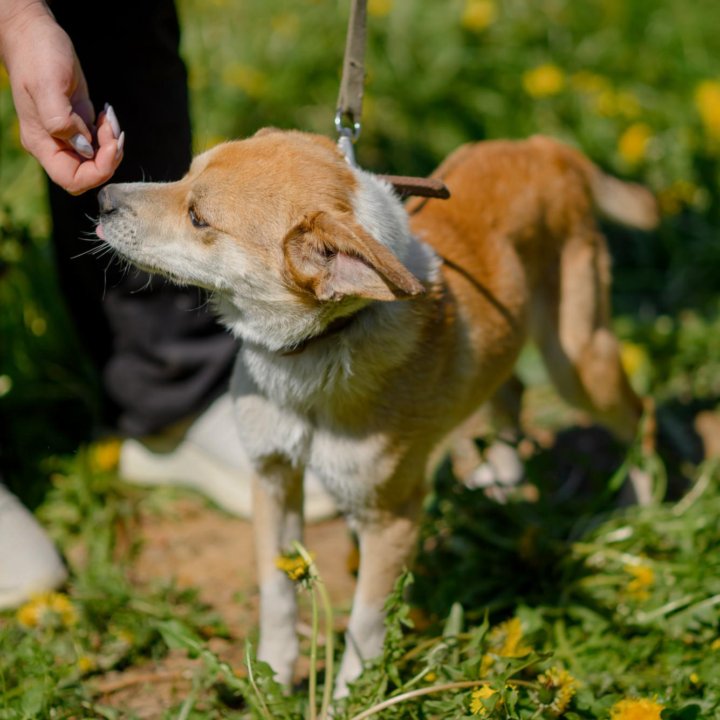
<point x="279" y="227"/>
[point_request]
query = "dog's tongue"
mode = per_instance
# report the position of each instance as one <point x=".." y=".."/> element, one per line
<point x="99" y="232"/>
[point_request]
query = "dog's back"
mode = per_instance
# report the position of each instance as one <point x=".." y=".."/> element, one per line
<point x="535" y="193"/>
<point x="523" y="250"/>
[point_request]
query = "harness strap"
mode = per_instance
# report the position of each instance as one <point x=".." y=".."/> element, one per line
<point x="424" y="187"/>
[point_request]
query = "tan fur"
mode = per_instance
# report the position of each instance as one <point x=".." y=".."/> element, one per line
<point x="290" y="252"/>
<point x="534" y="202"/>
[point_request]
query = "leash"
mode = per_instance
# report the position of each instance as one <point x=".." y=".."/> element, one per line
<point x="349" y="108"/>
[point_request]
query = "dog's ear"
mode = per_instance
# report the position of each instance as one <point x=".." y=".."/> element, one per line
<point x="335" y="258"/>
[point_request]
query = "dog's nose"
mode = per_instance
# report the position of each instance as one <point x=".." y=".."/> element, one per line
<point x="108" y="199"/>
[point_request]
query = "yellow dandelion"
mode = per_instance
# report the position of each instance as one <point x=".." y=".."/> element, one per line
<point x="543" y="81"/>
<point x="105" y="455"/>
<point x="379" y="8"/>
<point x="557" y="687"/>
<point x="715" y="644"/>
<point x="633" y="143"/>
<point x="47" y="609"/>
<point x="478" y="14"/>
<point x="643" y="578"/>
<point x="707" y="102"/>
<point x="506" y="638"/>
<point x="29" y="615"/>
<point x="62" y="606"/>
<point x="477" y="706"/>
<point x="430" y="677"/>
<point x="633" y="357"/>
<point x="504" y="641"/>
<point x="86" y="664"/>
<point x="636" y="709"/>
<point x="294" y="566"/>
<point x="487" y="663"/>
<point x="695" y="678"/>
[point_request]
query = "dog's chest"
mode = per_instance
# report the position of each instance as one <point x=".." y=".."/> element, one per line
<point x="300" y="382"/>
<point x="282" y="421"/>
<point x="350" y="465"/>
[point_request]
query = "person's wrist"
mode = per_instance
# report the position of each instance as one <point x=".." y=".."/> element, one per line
<point x="16" y="16"/>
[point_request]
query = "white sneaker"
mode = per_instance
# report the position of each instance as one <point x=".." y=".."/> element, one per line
<point x="206" y="456"/>
<point x="29" y="562"/>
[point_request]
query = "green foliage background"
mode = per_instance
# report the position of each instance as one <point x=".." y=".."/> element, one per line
<point x="636" y="85"/>
<point x="440" y="74"/>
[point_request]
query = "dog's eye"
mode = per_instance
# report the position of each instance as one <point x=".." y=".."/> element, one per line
<point x="195" y="219"/>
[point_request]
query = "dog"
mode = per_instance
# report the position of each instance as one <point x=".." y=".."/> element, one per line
<point x="371" y="329"/>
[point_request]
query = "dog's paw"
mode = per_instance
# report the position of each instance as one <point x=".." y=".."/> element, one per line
<point x="501" y="467"/>
<point x="280" y="654"/>
<point x="350" y="669"/>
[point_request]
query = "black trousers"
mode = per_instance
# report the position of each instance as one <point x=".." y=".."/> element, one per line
<point x="161" y="354"/>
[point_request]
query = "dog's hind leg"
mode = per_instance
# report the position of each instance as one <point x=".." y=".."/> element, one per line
<point x="387" y="543"/>
<point x="277" y="521"/>
<point x="570" y="322"/>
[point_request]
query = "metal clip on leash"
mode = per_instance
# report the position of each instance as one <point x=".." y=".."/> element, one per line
<point x="347" y="135"/>
<point x="349" y="108"/>
<point x="350" y="98"/>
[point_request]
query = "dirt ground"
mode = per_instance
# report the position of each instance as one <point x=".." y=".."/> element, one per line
<point x="203" y="548"/>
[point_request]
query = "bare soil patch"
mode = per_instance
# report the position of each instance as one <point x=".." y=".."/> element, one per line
<point x="203" y="548"/>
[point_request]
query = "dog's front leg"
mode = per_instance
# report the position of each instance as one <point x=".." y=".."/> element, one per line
<point x="386" y="545"/>
<point x="277" y="521"/>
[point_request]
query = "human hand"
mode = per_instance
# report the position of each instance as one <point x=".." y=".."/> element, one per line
<point x="51" y="99"/>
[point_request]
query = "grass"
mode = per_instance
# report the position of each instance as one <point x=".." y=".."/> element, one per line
<point x="557" y="603"/>
<point x="611" y="603"/>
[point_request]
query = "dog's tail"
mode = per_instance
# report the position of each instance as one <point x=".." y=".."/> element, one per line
<point x="622" y="202"/>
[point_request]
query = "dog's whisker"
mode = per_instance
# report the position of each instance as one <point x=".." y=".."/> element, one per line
<point x="148" y="284"/>
<point x="207" y="302"/>
<point x="98" y="250"/>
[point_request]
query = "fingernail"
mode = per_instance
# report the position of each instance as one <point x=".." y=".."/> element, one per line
<point x="112" y="119"/>
<point x="82" y="146"/>
<point x="120" y="145"/>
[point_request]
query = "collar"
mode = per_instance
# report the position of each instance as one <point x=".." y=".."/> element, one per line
<point x="333" y="328"/>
